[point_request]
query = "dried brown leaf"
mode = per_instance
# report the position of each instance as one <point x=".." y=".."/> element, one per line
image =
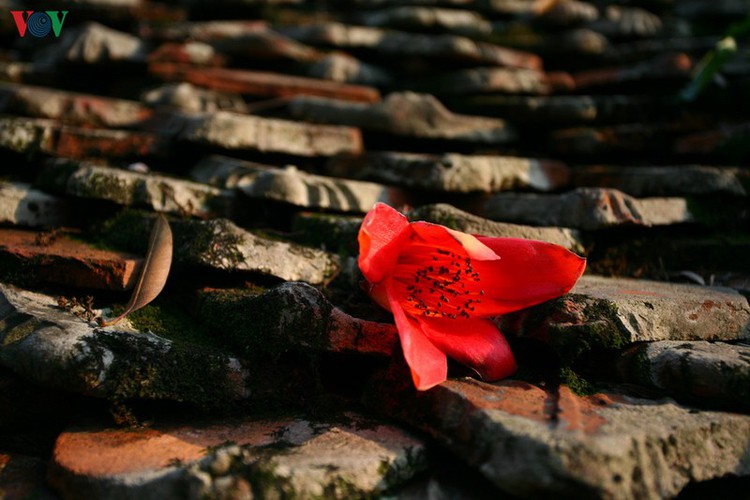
<point x="155" y="269"/>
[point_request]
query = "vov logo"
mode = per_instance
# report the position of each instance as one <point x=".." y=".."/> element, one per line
<point x="39" y="23"/>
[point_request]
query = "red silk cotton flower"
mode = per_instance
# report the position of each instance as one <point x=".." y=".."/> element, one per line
<point x="441" y="286"/>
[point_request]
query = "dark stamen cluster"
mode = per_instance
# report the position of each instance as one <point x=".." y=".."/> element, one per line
<point x="439" y="289"/>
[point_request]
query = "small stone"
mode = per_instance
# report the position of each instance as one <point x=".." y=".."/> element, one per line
<point x="610" y="313"/>
<point x="332" y="232"/>
<point x="453" y="173"/>
<point x="404" y="114"/>
<point x="588" y="209"/>
<point x="124" y="187"/>
<point x="261" y="83"/>
<point x="639" y="140"/>
<point x="361" y="457"/>
<point x="21" y="205"/>
<point x="678" y="180"/>
<point x="186" y="97"/>
<point x="55" y="258"/>
<point x="709" y="373"/>
<point x="232" y="131"/>
<point x="402" y="44"/>
<point x="52" y="347"/>
<point x="459" y="220"/>
<point x="605" y="445"/>
<point x="290" y="185"/>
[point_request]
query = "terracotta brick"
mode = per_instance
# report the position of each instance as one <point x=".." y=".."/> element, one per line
<point x="262" y="84"/>
<point x="62" y="260"/>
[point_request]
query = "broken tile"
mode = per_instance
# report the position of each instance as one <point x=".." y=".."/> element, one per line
<point x="52" y="347"/>
<point x="219" y="244"/>
<point x="94" y="43"/>
<point x="125" y="187"/>
<point x="23" y="476"/>
<point x="533" y="443"/>
<point x="35" y="257"/>
<point x="189" y="98"/>
<point x="344" y="68"/>
<point x="486" y="81"/>
<point x="32" y="136"/>
<point x="587" y="208"/>
<point x="21" y="205"/>
<point x="664" y="67"/>
<point x="730" y="142"/>
<point x="429" y="19"/>
<point x="712" y="373"/>
<point x="453" y="173"/>
<point x="261" y="83"/>
<point x="610" y="313"/>
<point x="677" y="180"/>
<point x="550" y="111"/>
<point x="445" y="48"/>
<point x="238" y="459"/>
<point x="459" y="220"/>
<point x="626" y="21"/>
<point x="406" y="114"/>
<point x="193" y="53"/>
<point x="232" y="131"/>
<point x="566" y="14"/>
<point x="297" y="317"/>
<point x="71" y="107"/>
<point x="290" y="185"/>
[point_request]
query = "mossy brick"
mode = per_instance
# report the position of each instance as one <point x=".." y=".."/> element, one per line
<point x="54" y="348"/>
<point x="610" y="313"/>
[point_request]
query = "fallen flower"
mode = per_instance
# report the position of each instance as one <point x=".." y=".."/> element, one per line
<point x="441" y="286"/>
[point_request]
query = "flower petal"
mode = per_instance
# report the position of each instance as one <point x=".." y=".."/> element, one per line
<point x="477" y="343"/>
<point x="429" y="366"/>
<point x="529" y="272"/>
<point x="445" y="237"/>
<point x="380" y="238"/>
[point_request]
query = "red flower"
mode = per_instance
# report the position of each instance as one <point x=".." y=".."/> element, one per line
<point x="442" y="284"/>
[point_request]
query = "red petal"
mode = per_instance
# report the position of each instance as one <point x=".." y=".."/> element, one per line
<point x="529" y="272"/>
<point x="477" y="343"/>
<point x="444" y="237"/>
<point x="429" y="366"/>
<point x="380" y="239"/>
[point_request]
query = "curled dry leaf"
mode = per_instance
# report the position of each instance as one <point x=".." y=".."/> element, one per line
<point x="154" y="272"/>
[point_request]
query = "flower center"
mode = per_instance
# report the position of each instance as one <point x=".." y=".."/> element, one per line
<point x="438" y="282"/>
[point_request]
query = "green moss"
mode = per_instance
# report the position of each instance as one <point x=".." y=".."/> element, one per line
<point x="334" y="233"/>
<point x="576" y="382"/>
<point x="128" y="231"/>
<point x="212" y="243"/>
<point x="265" y="325"/>
<point x="107" y="186"/>
<point x="144" y="368"/>
<point x="168" y="321"/>
<point x="599" y="329"/>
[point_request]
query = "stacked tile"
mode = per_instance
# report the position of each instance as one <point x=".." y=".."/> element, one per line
<point x="264" y="130"/>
